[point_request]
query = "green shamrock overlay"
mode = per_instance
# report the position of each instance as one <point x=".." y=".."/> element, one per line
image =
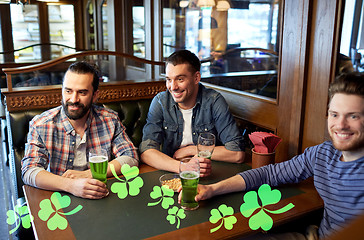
<point x="121" y="187"/>
<point x="165" y="194"/>
<point x="223" y="213"/>
<point x="175" y="214"/>
<point x="19" y="215"/>
<point x="58" y="202"/>
<point x="267" y="196"/>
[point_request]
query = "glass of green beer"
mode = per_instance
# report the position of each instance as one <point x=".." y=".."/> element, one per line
<point x="205" y="144"/>
<point x="189" y="172"/>
<point x="98" y="160"/>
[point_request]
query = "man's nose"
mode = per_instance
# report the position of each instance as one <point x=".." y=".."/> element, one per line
<point x="74" y="97"/>
<point x="174" y="85"/>
<point x="342" y="122"/>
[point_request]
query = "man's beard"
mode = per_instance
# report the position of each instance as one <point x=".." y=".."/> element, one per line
<point x="353" y="145"/>
<point x="75" y="115"/>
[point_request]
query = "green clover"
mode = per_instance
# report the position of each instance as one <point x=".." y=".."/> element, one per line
<point x="227" y="221"/>
<point x="175" y="214"/>
<point x="165" y="194"/>
<point x="121" y="187"/>
<point x="20" y="214"/>
<point x="267" y="197"/>
<point x="56" y="202"/>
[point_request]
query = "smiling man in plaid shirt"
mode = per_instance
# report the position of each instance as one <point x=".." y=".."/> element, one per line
<point x="59" y="139"/>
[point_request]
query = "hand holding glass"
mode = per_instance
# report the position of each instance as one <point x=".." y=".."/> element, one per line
<point x="98" y="159"/>
<point x="189" y="172"/>
<point x="205" y="145"/>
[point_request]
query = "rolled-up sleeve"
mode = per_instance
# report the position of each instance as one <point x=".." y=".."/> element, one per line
<point x="226" y="126"/>
<point x="152" y="131"/>
<point x="36" y="154"/>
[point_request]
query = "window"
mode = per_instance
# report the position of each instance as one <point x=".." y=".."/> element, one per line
<point x="25" y="24"/>
<point x="236" y="41"/>
<point x="61" y="29"/>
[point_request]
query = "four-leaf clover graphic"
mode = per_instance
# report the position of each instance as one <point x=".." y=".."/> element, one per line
<point x="131" y="175"/>
<point x="165" y="194"/>
<point x="56" y="202"/>
<point x="221" y="214"/>
<point x="19" y="215"/>
<point x="267" y="197"/>
<point x="175" y="214"/>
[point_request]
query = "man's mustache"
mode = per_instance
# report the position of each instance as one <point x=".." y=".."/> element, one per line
<point x="74" y="104"/>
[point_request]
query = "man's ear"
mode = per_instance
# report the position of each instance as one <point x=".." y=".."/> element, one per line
<point x="197" y="77"/>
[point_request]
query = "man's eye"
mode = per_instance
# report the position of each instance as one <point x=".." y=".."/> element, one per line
<point x="333" y="115"/>
<point x="354" y="116"/>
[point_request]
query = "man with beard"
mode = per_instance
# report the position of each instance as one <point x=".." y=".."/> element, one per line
<point x="59" y="139"/>
<point x="337" y="166"/>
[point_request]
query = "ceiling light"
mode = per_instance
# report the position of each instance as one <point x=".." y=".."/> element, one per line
<point x="223" y="5"/>
<point x="206" y="3"/>
<point x="183" y="3"/>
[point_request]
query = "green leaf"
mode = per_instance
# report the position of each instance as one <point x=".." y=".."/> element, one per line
<point x="60" y="202"/>
<point x="269" y="196"/>
<point x="225" y="210"/>
<point x="171" y="219"/>
<point x="120" y="188"/>
<point x="173" y="210"/>
<point x="156" y="193"/>
<point x="250" y="204"/>
<point x="57" y="221"/>
<point x="261" y="220"/>
<point x="135" y="185"/>
<point x="229" y="222"/>
<point x="215" y="216"/>
<point x="181" y="213"/>
<point x="166" y="202"/>
<point x="45" y="209"/>
<point x="26" y="221"/>
<point x="129" y="172"/>
<point x="12" y="217"/>
<point x="167" y="191"/>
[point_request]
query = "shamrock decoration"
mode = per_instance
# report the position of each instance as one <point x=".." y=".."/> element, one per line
<point x="175" y="214"/>
<point x="19" y="215"/>
<point x="56" y="202"/>
<point x="227" y="221"/>
<point x="165" y="194"/>
<point x="267" y="196"/>
<point x="121" y="187"/>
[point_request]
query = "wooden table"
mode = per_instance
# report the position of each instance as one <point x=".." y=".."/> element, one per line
<point x="132" y="218"/>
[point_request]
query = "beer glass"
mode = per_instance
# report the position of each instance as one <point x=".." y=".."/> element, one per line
<point x="189" y="172"/>
<point x="205" y="144"/>
<point x="98" y="159"/>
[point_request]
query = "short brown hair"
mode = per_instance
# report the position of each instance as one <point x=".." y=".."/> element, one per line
<point x="348" y="83"/>
<point x="185" y="57"/>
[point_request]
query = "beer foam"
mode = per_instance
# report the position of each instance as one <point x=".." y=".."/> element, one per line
<point x="97" y="159"/>
<point x="193" y="173"/>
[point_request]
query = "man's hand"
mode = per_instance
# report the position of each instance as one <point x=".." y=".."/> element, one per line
<point x="203" y="192"/>
<point x="205" y="166"/>
<point x="77" y="174"/>
<point x="185" y="152"/>
<point x="88" y="188"/>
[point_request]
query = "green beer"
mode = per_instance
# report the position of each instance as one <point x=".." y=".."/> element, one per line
<point x="205" y="154"/>
<point x="98" y="166"/>
<point x="189" y="180"/>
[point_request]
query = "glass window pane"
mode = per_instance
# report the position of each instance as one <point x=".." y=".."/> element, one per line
<point x="24" y="19"/>
<point x="237" y="44"/>
<point x="105" y="42"/>
<point x="139" y="31"/>
<point x="61" y="29"/>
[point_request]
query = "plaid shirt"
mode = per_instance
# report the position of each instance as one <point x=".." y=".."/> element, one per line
<point x="52" y="139"/>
